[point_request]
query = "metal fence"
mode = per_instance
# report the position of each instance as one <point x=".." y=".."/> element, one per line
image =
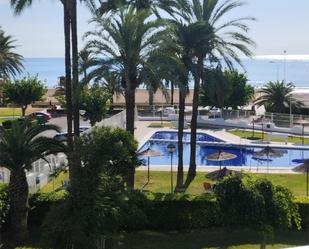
<point x="285" y="120"/>
<point x="40" y="173"/>
<point x="159" y="111"/>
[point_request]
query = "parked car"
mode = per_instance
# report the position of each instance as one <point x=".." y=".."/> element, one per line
<point x="39" y="115"/>
<point x="169" y="110"/>
<point x="63" y="136"/>
<point x="215" y="112"/>
<point x="84" y="128"/>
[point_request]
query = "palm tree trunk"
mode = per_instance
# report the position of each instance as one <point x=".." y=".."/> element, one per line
<point x="172" y="93"/>
<point x="130" y="105"/>
<point x="23" y="110"/>
<point x="18" y="189"/>
<point x="68" y="83"/>
<point x="76" y="87"/>
<point x="181" y="120"/>
<point x="192" y="166"/>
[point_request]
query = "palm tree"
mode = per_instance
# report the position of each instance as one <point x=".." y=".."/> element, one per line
<point x="10" y="62"/>
<point x="213" y="41"/>
<point x="277" y="97"/>
<point x="70" y="31"/>
<point x="127" y="39"/>
<point x="85" y="62"/>
<point x="172" y="7"/>
<point x="106" y="77"/>
<point x="183" y="52"/>
<point x="20" y="146"/>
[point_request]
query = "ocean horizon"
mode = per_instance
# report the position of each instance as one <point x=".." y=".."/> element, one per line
<point x="259" y="70"/>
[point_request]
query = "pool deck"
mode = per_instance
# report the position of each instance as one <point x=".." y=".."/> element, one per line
<point x="143" y="132"/>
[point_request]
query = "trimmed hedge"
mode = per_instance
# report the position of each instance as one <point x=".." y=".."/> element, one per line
<point x="41" y="203"/>
<point x="4" y="205"/>
<point x="182" y="214"/>
<point x="303" y="205"/>
<point x="155" y="211"/>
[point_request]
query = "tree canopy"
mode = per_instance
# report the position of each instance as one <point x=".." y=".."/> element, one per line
<point x="225" y="89"/>
<point x="277" y="97"/>
<point x="95" y="101"/>
<point x="20" y="146"/>
<point x="10" y="61"/>
<point x="24" y="92"/>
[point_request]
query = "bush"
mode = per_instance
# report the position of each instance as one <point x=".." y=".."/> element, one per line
<point x="240" y="205"/>
<point x="112" y="150"/>
<point x="303" y="206"/>
<point x="256" y="204"/>
<point x="41" y="203"/>
<point x="4" y="204"/>
<point x="170" y="212"/>
<point x="182" y="214"/>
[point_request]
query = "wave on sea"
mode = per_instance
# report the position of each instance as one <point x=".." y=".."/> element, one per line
<point x="290" y="57"/>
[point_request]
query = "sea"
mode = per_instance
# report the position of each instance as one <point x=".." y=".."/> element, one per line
<point x="259" y="70"/>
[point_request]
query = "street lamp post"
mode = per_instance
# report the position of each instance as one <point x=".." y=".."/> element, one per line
<point x="171" y="149"/>
<point x="291" y="120"/>
<point x="284" y="68"/>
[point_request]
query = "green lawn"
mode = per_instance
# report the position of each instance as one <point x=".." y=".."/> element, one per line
<point x="6" y="111"/>
<point x="195" y="239"/>
<point x="5" y="119"/>
<point x="55" y="184"/>
<point x="10" y="111"/>
<point x="258" y="135"/>
<point x="160" y="182"/>
<point x="209" y="240"/>
<point x="160" y="124"/>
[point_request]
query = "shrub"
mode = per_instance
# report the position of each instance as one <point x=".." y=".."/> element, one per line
<point x="110" y="150"/>
<point x="303" y="206"/>
<point x="256" y="204"/>
<point x="41" y="203"/>
<point x="182" y="214"/>
<point x="90" y="214"/>
<point x="4" y="203"/>
<point x="240" y="205"/>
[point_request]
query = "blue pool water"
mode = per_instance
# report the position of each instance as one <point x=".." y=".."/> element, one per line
<point x="245" y="157"/>
<point x="200" y="137"/>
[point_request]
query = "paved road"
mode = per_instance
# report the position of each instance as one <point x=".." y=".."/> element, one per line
<point x="62" y="123"/>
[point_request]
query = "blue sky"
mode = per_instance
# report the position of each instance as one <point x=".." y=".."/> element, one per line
<point x="281" y="25"/>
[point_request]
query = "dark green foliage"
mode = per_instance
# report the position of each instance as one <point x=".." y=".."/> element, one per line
<point x="303" y="206"/>
<point x="41" y="203"/>
<point x="225" y="89"/>
<point x="91" y="214"/>
<point x="94" y="220"/>
<point x="276" y="97"/>
<point x="10" y="62"/>
<point x="21" y="121"/>
<point x="257" y="204"/>
<point x="20" y="146"/>
<point x="111" y="150"/>
<point x="24" y="92"/>
<point x="4" y="204"/>
<point x="95" y="100"/>
<point x="182" y="214"/>
<point x="241" y="92"/>
<point x="141" y="211"/>
<point x="240" y="205"/>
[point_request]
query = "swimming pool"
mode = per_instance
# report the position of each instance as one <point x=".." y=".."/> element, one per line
<point x="245" y="155"/>
<point x="172" y="135"/>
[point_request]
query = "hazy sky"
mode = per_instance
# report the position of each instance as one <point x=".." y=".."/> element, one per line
<point x="281" y="25"/>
